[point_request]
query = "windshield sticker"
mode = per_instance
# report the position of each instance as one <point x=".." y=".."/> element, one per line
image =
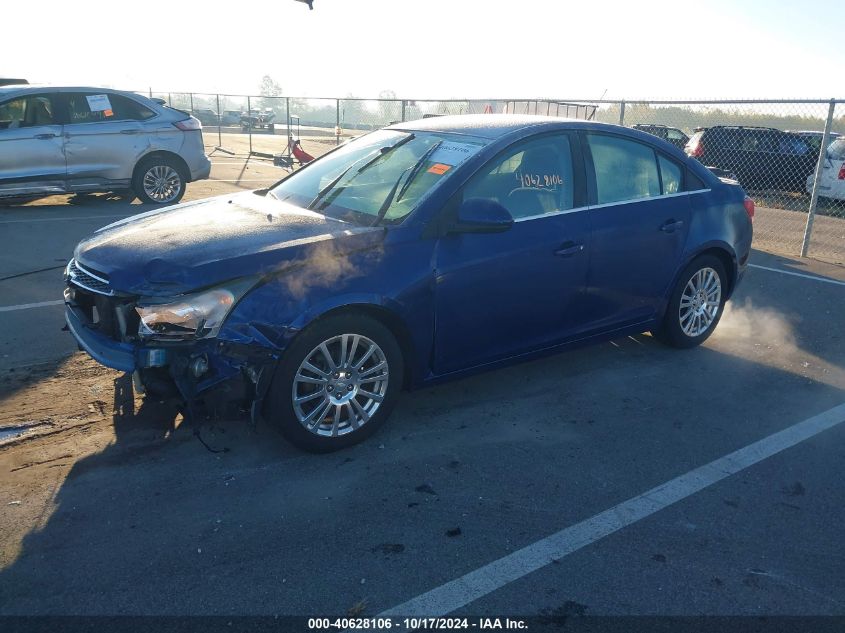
<point x="439" y="169"/>
<point x="454" y="153"/>
<point x="99" y="103"/>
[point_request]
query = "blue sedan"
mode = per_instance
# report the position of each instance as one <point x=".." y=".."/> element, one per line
<point x="414" y="254"/>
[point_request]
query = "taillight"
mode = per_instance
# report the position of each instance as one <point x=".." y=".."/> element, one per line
<point x="749" y="207"/>
<point x="695" y="148"/>
<point x="841" y="175"/>
<point x="188" y="125"/>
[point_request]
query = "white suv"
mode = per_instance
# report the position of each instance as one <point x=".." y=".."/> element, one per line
<point x="74" y="140"/>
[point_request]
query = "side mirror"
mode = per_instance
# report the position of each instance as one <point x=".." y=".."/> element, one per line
<point x="482" y="215"/>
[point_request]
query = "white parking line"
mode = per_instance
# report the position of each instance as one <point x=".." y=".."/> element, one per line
<point x="476" y="584"/>
<point x="789" y="272"/>
<point x="27" y="306"/>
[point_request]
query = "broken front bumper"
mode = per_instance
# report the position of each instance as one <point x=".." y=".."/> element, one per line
<point x="106" y="351"/>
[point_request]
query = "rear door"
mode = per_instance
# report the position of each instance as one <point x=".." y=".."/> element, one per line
<point x="104" y="138"/>
<point x="32" y="158"/>
<point x="639" y="217"/>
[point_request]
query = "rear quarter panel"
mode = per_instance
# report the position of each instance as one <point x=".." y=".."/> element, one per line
<point x="718" y="220"/>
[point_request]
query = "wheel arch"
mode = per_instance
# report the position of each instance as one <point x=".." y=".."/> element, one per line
<point x="724" y="253"/>
<point x="162" y="153"/>
<point x="388" y="317"/>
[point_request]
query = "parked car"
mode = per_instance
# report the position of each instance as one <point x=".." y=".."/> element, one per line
<point x="414" y="254"/>
<point x="761" y="157"/>
<point x="231" y="117"/>
<point x="671" y="134"/>
<point x="832" y="180"/>
<point x="75" y="139"/>
<point x="206" y="116"/>
<point x="258" y="119"/>
<point x="813" y="138"/>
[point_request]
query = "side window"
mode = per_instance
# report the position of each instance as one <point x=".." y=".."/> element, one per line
<point x="670" y="175"/>
<point x="26" y="111"/>
<point x="674" y="135"/>
<point x="750" y="142"/>
<point x="96" y="107"/>
<point x="625" y="170"/>
<point x="794" y="146"/>
<point x="532" y="178"/>
<point x="729" y="139"/>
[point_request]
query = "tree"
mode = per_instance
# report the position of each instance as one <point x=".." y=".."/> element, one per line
<point x="271" y="91"/>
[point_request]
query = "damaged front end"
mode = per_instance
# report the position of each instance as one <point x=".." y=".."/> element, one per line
<point x="171" y="345"/>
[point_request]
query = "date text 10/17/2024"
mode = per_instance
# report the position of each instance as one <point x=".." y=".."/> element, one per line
<point x="416" y="624"/>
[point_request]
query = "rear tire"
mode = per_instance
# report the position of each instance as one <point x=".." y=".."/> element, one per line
<point x="159" y="180"/>
<point x="695" y="305"/>
<point x="323" y="398"/>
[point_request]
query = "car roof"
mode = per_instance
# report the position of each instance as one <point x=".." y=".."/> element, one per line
<point x="491" y="126"/>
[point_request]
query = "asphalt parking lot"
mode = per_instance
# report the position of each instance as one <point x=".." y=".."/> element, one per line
<point x="112" y="505"/>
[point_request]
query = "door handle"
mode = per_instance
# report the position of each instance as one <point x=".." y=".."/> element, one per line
<point x="569" y="248"/>
<point x="129" y="131"/>
<point x="44" y="137"/>
<point x="669" y="226"/>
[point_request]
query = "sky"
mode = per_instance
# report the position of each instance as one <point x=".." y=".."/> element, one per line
<point x="705" y="49"/>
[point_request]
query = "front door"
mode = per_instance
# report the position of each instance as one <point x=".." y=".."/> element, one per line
<point x="502" y="294"/>
<point x="32" y="159"/>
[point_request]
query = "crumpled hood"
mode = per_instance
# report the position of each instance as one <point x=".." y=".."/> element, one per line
<point x="198" y="244"/>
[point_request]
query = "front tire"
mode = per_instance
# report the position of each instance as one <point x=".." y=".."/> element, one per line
<point x="696" y="304"/>
<point x="336" y="384"/>
<point x="159" y="180"/>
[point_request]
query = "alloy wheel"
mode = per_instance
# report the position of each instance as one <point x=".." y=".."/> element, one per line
<point x="700" y="302"/>
<point x="162" y="183"/>
<point x="340" y="385"/>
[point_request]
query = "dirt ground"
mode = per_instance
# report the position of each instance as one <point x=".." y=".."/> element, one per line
<point x="76" y="404"/>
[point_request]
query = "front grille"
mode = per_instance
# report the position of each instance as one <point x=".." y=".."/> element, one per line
<point x="114" y="316"/>
<point x="85" y="279"/>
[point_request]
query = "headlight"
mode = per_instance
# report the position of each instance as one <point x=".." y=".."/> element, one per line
<point x="198" y="315"/>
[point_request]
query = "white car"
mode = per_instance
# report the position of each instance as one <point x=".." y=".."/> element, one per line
<point x="832" y="183"/>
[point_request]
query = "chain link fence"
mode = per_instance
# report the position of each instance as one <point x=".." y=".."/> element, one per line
<point x="784" y="153"/>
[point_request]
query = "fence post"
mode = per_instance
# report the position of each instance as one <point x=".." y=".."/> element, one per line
<point x="249" y="122"/>
<point x="404" y="103"/>
<point x="191" y="95"/>
<point x="287" y="112"/>
<point x="814" y="196"/>
<point x="622" y="112"/>
<point x="219" y="123"/>
<point x="337" y="122"/>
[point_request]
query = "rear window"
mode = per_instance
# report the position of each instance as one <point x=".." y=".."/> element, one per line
<point x="836" y="150"/>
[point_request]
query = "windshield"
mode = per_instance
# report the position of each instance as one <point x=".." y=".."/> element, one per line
<point x="378" y="178"/>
